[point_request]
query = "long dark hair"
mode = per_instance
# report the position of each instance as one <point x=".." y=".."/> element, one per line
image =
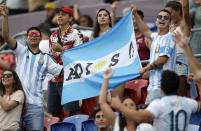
<point x="97" y="27"/>
<point x="122" y="120"/>
<point x="16" y="86"/>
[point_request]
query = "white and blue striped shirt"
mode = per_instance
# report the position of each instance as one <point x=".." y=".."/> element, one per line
<point x="32" y="69"/>
<point x="162" y="45"/>
<point x="172" y="113"/>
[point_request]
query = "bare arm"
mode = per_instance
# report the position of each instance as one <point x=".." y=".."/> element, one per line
<point x="140" y="23"/>
<point x="148" y="42"/>
<point x="193" y="63"/>
<point x="105" y="107"/>
<point x="8" y="105"/>
<point x="76" y="13"/>
<point x="186" y="21"/>
<point x="5" y="29"/>
<point x="113" y="13"/>
<point x="156" y="64"/>
<point x="138" y="116"/>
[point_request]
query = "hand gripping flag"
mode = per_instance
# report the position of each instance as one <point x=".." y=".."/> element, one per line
<point x="85" y="64"/>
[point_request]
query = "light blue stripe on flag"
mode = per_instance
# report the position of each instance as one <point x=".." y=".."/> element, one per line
<point x="84" y="64"/>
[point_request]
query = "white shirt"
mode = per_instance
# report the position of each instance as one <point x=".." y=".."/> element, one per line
<point x="162" y="45"/>
<point x="32" y="69"/>
<point x="172" y="112"/>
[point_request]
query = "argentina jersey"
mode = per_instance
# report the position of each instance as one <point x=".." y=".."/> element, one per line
<point x="172" y="113"/>
<point x="161" y="46"/>
<point x="32" y="69"/>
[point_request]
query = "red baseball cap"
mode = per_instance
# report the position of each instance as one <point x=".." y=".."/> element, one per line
<point x="65" y="9"/>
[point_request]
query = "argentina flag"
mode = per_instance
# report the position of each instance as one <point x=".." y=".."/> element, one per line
<point x="85" y="64"/>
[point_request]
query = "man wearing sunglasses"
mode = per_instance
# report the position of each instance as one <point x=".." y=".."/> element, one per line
<point x="32" y="67"/>
<point x="162" y="51"/>
<point x="63" y="39"/>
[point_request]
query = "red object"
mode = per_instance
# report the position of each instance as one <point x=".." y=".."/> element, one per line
<point x="48" y="121"/>
<point x="65" y="9"/>
<point x="88" y="106"/>
<point x="137" y="89"/>
<point x="8" y="58"/>
<point x="64" y="114"/>
<point x="198" y="92"/>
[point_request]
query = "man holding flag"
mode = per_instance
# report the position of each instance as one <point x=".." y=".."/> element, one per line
<point x="162" y="51"/>
<point x="84" y="65"/>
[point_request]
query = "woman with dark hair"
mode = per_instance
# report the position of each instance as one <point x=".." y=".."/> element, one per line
<point x="103" y="23"/>
<point x="119" y="123"/>
<point x="12" y="101"/>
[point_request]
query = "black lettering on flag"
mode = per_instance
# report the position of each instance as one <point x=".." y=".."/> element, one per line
<point x="87" y="68"/>
<point x="74" y="74"/>
<point x="131" y="50"/>
<point x="114" y="59"/>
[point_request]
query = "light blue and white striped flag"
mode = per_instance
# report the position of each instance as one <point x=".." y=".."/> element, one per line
<point x="85" y="64"/>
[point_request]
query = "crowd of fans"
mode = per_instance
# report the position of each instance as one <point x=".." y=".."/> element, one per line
<point x="39" y="71"/>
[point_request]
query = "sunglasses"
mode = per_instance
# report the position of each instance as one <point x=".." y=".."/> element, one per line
<point x="161" y="16"/>
<point x="37" y="34"/>
<point x="6" y="75"/>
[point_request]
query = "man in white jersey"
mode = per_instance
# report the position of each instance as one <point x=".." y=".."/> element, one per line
<point x="32" y="67"/>
<point x="162" y="51"/>
<point x="170" y="113"/>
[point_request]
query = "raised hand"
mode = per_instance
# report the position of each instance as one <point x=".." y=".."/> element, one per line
<point x="108" y="73"/>
<point x="3" y="10"/>
<point x="133" y="8"/>
<point x="180" y="39"/>
<point x="114" y="5"/>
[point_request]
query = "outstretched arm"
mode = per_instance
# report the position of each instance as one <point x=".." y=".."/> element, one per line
<point x="105" y="107"/>
<point x="5" y="29"/>
<point x="140" y="23"/>
<point x="193" y="63"/>
<point x="186" y="21"/>
<point x="113" y="11"/>
<point x="138" y="116"/>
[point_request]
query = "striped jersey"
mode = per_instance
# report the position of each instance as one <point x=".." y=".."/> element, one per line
<point x="162" y="45"/>
<point x="172" y="113"/>
<point x="32" y="69"/>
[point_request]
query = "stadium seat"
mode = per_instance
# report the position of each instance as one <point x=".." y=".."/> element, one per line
<point x="88" y="106"/>
<point x="137" y="89"/>
<point x="89" y="125"/>
<point x="48" y="121"/>
<point x="77" y="120"/>
<point x="63" y="126"/>
<point x="195" y="122"/>
<point x="64" y="114"/>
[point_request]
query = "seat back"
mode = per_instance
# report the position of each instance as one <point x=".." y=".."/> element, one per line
<point x="88" y="106"/>
<point x="48" y="121"/>
<point x="137" y="89"/>
<point x="89" y="125"/>
<point x="63" y="126"/>
<point x="77" y="120"/>
<point x="195" y="122"/>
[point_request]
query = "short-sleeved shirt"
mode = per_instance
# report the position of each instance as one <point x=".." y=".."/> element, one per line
<point x="162" y="45"/>
<point x="172" y="113"/>
<point x="8" y="58"/>
<point x="71" y="38"/>
<point x="32" y="69"/>
<point x="10" y="120"/>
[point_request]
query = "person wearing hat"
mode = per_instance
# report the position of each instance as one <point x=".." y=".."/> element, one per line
<point x="50" y="14"/>
<point x="63" y="39"/>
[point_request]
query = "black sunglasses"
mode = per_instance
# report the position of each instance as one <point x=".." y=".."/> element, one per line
<point x="6" y="75"/>
<point x="161" y="16"/>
